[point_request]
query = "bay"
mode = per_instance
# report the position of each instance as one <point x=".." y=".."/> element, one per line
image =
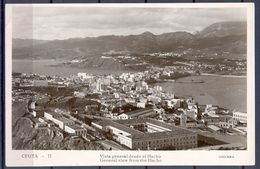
<point x="48" y="67"/>
<point x="227" y="92"/>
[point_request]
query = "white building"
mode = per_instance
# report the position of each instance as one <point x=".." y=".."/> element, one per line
<point x="74" y="129"/>
<point x="240" y="116"/>
<point x="122" y="116"/>
<point x="79" y="94"/>
<point x="149" y="134"/>
<point x="58" y="119"/>
<point x="140" y="104"/>
<point x="211" y="110"/>
<point x="84" y="76"/>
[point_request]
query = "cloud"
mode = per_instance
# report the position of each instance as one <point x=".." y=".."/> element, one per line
<point x="70" y="22"/>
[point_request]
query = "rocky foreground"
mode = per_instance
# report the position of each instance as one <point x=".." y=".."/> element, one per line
<point x="25" y="137"/>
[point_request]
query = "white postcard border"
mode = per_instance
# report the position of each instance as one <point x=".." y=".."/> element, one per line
<point x="92" y="158"/>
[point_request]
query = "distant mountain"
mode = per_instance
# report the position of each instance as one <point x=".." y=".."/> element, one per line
<point x="21" y="43"/>
<point x="228" y="37"/>
<point x="174" y="40"/>
<point x="223" y="29"/>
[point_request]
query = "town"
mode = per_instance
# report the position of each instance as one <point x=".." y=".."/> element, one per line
<point x="188" y="60"/>
<point x="126" y="112"/>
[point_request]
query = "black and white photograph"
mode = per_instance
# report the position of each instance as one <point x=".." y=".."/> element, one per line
<point x="130" y="78"/>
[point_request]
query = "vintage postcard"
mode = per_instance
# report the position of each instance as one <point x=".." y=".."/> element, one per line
<point x="130" y="84"/>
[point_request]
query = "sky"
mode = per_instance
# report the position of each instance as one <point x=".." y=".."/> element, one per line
<point x="52" y="22"/>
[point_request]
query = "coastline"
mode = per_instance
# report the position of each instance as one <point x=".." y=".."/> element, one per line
<point x="217" y="75"/>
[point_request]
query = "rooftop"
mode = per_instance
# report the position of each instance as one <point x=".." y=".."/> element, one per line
<point x="54" y="114"/>
<point x="123" y="125"/>
<point x="65" y="120"/>
<point x="213" y="127"/>
<point x="139" y="112"/>
<point x="164" y="134"/>
<point x="75" y="127"/>
<point x="147" y="120"/>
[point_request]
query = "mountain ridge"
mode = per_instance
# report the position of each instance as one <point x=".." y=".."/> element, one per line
<point x="227" y="36"/>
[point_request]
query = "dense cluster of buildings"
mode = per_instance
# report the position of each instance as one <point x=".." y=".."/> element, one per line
<point x="124" y="109"/>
